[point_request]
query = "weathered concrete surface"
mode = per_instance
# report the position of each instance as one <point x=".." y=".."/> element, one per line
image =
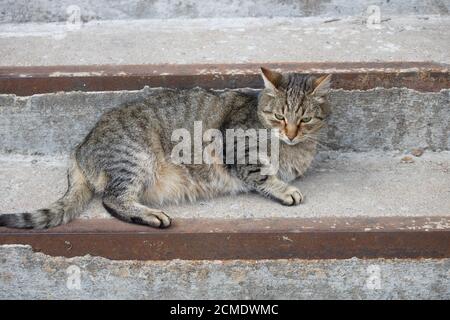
<point x="339" y="185"/>
<point x="52" y="11"/>
<point x="388" y="119"/>
<point x="28" y="275"/>
<point x="237" y="40"/>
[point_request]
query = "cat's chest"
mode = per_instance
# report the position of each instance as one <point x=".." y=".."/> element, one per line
<point x="294" y="162"/>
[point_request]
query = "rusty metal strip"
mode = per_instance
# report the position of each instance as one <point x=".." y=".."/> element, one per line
<point x="23" y="81"/>
<point x="224" y="239"/>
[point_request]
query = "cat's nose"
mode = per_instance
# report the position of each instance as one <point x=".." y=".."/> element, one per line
<point x="291" y="131"/>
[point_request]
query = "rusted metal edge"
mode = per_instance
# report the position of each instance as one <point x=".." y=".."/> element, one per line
<point x="225" y="239"/>
<point x="24" y="81"/>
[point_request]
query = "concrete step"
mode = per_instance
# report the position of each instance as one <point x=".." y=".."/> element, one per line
<point x="21" y="11"/>
<point x="30" y="275"/>
<point x="375" y="119"/>
<point x="371" y="184"/>
<point x="216" y="41"/>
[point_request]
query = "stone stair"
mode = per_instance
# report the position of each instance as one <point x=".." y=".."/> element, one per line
<point x="376" y="221"/>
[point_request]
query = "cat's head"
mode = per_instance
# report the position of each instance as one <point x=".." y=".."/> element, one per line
<point x="295" y="104"/>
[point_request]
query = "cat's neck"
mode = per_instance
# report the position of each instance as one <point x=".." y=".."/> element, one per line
<point x="295" y="160"/>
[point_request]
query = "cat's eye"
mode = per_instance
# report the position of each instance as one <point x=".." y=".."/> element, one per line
<point x="279" y="116"/>
<point x="306" y="119"/>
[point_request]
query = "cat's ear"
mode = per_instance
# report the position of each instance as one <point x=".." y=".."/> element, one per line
<point x="321" y="86"/>
<point x="272" y="79"/>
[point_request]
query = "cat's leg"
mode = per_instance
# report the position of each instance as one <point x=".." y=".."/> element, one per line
<point x="121" y="199"/>
<point x="269" y="185"/>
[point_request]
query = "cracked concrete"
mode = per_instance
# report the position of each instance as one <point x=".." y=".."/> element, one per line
<point x="28" y="275"/>
<point x="45" y="11"/>
<point x="233" y="40"/>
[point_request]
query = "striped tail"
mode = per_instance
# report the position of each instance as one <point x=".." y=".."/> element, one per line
<point x="62" y="211"/>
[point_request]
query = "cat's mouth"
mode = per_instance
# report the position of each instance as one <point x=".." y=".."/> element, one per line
<point x="287" y="140"/>
<point x="298" y="139"/>
<point x="290" y="142"/>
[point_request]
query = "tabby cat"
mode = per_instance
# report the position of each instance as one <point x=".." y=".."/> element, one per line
<point x="126" y="156"/>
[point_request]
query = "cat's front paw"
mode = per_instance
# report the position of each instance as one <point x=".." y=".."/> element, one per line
<point x="291" y="196"/>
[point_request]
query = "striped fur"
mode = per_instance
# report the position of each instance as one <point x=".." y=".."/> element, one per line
<point x="126" y="156"/>
<point x="62" y="211"/>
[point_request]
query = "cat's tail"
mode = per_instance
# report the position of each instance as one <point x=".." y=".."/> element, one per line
<point x="62" y="211"/>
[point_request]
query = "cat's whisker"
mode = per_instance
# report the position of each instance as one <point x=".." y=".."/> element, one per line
<point x="318" y="142"/>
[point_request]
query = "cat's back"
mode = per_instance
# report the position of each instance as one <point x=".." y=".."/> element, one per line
<point x="195" y="103"/>
<point x="183" y="107"/>
<point x="166" y="110"/>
